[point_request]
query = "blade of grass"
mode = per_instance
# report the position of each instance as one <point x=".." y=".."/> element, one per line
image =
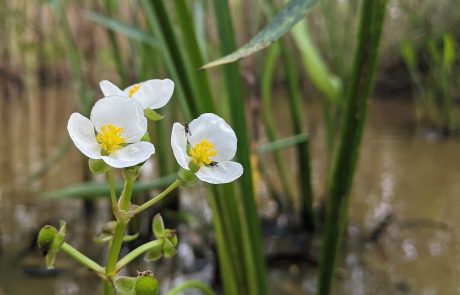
<point x="111" y="6"/>
<point x="126" y="29"/>
<point x="250" y="227"/>
<point x="194" y="56"/>
<point x="269" y="121"/>
<point x="283" y="143"/>
<point x="365" y="62"/>
<point x="289" y="15"/>
<point x="93" y="190"/>
<point x="303" y="148"/>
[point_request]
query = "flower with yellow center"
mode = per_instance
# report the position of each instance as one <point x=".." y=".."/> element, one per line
<point x="113" y="133"/>
<point x="151" y="94"/>
<point x="207" y="149"/>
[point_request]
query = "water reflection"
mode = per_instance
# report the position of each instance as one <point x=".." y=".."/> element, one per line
<point x="402" y="179"/>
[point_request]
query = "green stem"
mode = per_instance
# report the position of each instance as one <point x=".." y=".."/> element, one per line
<point x="117" y="241"/>
<point x="137" y="252"/>
<point x="365" y="61"/>
<point x="192" y="284"/>
<point x="158" y="197"/>
<point x="82" y="258"/>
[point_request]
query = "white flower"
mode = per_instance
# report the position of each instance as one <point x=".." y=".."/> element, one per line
<point x="207" y="145"/>
<point x="151" y="94"/>
<point x="112" y="133"/>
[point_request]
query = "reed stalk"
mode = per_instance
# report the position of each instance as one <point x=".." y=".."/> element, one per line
<point x="250" y="227"/>
<point x="365" y="61"/>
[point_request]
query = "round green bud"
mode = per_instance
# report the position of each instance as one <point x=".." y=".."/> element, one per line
<point x="98" y="166"/>
<point x="45" y="238"/>
<point x="146" y="285"/>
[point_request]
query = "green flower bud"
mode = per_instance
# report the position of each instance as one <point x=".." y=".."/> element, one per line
<point x="146" y="285"/>
<point x="98" y="166"/>
<point x="45" y="238"/>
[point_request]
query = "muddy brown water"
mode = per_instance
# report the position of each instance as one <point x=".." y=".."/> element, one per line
<point x="413" y="178"/>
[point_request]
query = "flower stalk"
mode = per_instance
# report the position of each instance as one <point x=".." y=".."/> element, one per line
<point x="82" y="258"/>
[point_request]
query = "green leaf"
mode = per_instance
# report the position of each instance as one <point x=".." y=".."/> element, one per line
<point x="94" y="190"/>
<point x="283" y="143"/>
<point x="158" y="226"/>
<point x="449" y="51"/>
<point x="152" y="115"/>
<point x="289" y="15"/>
<point x="123" y="28"/>
<point x="125" y="285"/>
<point x="408" y="54"/>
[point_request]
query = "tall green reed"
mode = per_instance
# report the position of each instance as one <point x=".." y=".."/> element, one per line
<point x="365" y="61"/>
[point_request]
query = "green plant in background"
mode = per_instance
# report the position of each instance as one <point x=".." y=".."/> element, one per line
<point x="435" y="87"/>
<point x="115" y="137"/>
<point x="355" y="111"/>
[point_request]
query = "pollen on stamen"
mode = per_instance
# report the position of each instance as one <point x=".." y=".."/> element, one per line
<point x="202" y="152"/>
<point x="110" y="138"/>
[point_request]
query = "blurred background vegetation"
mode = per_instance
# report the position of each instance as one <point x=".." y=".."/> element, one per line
<point x="54" y="53"/>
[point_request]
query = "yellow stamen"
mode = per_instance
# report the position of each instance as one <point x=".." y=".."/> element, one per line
<point x="110" y="138"/>
<point x="133" y="90"/>
<point x="201" y="152"/>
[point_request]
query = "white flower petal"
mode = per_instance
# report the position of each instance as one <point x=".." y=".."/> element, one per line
<point x="224" y="172"/>
<point x="120" y="112"/>
<point x="154" y="93"/>
<point x="214" y="129"/>
<point x="110" y="89"/>
<point x="81" y="131"/>
<point x="179" y="145"/>
<point x="130" y="155"/>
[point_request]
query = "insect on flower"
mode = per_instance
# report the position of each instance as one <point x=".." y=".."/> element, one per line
<point x="187" y="130"/>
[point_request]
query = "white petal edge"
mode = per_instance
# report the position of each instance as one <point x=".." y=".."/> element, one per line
<point x="120" y="112"/>
<point x="130" y="155"/>
<point x="81" y="131"/>
<point x="214" y="129"/>
<point x="110" y="89"/>
<point x="153" y="93"/>
<point x="179" y="145"/>
<point x="225" y="172"/>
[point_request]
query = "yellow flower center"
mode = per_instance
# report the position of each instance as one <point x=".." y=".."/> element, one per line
<point x="133" y="90"/>
<point x="110" y="138"/>
<point x="201" y="152"/>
